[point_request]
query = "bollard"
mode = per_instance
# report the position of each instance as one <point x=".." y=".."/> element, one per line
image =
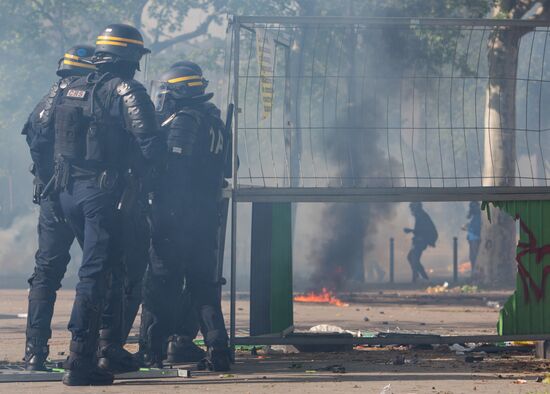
<point x="455" y="259"/>
<point x="392" y="260"/>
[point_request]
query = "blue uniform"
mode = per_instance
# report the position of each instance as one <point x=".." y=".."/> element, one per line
<point x="54" y="236"/>
<point x="185" y="222"/>
<point x="98" y="118"/>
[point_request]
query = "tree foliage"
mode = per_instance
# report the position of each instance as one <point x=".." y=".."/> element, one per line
<point x="35" y="33"/>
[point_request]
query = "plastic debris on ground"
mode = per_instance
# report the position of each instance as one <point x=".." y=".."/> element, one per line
<point x="460" y="350"/>
<point x="327" y="328"/>
<point x="386" y="389"/>
<point x="444" y="288"/>
<point x="520" y="381"/>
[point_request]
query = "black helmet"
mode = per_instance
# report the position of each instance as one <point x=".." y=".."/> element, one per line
<point x="76" y="61"/>
<point x="122" y="42"/>
<point x="180" y="83"/>
<point x="186" y="63"/>
<point x="185" y="83"/>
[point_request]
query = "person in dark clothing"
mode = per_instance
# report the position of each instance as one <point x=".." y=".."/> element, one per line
<point x="98" y="118"/>
<point x="54" y="235"/>
<point x="424" y="235"/>
<point x="473" y="235"/>
<point x="180" y="347"/>
<point x="185" y="219"/>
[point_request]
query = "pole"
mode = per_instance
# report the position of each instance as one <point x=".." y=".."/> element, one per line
<point x="392" y="260"/>
<point x="233" y="286"/>
<point x="455" y="259"/>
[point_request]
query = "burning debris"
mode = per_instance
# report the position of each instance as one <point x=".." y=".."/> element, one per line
<point x="324" y="297"/>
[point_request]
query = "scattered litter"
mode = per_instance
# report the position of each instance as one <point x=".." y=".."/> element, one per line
<point x="327" y="328"/>
<point x="295" y="366"/>
<point x="22" y="315"/>
<point x="227" y="375"/>
<point x="468" y="289"/>
<point x="444" y="288"/>
<point x="460" y="350"/>
<point x="520" y="343"/>
<point x="520" y="381"/>
<point x="381" y="312"/>
<point x="385" y="322"/>
<point x="285" y="349"/>
<point x="493" y="304"/>
<point x="386" y="389"/>
<point x="357" y="309"/>
<point x="438" y="289"/>
<point x="240" y="309"/>
<point x="366" y="318"/>
<point x="473" y="359"/>
<point x="311" y="371"/>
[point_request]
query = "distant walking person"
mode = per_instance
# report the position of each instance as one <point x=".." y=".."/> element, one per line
<point x="424" y="235"/>
<point x="473" y="228"/>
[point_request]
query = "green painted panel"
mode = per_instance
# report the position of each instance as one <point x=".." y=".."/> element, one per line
<point x="526" y="311"/>
<point x="281" y="268"/>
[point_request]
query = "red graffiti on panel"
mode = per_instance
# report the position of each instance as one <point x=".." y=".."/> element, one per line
<point x="530" y="248"/>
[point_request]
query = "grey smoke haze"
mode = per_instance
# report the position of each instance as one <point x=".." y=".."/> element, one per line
<point x="348" y="230"/>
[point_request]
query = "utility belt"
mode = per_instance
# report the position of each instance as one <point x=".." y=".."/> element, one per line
<point x="66" y="172"/>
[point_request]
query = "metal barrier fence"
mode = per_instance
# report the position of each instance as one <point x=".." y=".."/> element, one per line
<point x="399" y="109"/>
<point x="387" y="109"/>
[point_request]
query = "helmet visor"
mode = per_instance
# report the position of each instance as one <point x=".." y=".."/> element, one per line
<point x="158" y="90"/>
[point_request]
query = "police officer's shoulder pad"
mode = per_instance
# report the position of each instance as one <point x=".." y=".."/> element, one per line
<point x="54" y="89"/>
<point x="128" y="86"/>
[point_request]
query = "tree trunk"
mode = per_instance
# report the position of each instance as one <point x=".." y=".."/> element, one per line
<point x="496" y="265"/>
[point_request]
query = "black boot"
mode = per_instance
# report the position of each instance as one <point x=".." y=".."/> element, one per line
<point x="183" y="350"/>
<point x="113" y="357"/>
<point x="147" y="357"/>
<point x="217" y="359"/>
<point x="36" y="353"/>
<point x="83" y="371"/>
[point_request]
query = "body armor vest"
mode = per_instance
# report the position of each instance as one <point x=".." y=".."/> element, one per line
<point x="85" y="135"/>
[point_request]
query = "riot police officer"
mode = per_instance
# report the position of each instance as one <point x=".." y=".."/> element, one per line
<point x="185" y="217"/>
<point x="97" y="118"/>
<point x="180" y="348"/>
<point x="54" y="235"/>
